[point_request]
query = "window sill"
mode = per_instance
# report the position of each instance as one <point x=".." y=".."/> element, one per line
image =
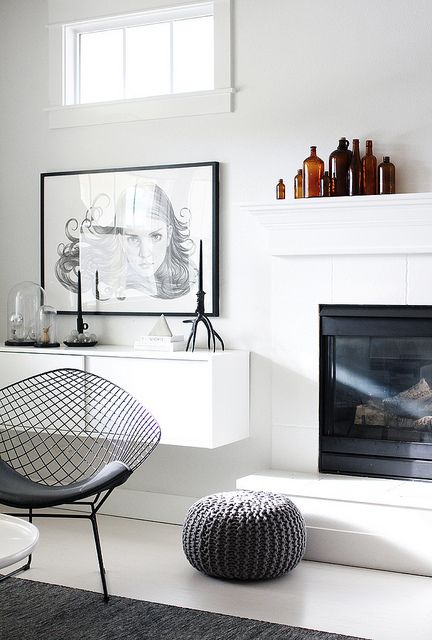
<point x="153" y="108"/>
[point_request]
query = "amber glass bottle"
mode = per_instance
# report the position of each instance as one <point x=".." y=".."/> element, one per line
<point x="386" y="176"/>
<point x="325" y="185"/>
<point x="313" y="169"/>
<point x="298" y="184"/>
<point x="369" y="171"/>
<point x="339" y="162"/>
<point x="355" y="171"/>
<point x="280" y="190"/>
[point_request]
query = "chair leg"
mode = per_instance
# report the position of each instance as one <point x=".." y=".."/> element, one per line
<point x="99" y="555"/>
<point x="30" y="518"/>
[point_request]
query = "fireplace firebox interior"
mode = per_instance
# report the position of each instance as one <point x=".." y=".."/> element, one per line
<point x="376" y="391"/>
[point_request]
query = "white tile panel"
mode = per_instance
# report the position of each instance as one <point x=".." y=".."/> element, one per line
<point x="295" y="448"/>
<point x="419" y="279"/>
<point x="369" y="279"/>
<point x="299" y="286"/>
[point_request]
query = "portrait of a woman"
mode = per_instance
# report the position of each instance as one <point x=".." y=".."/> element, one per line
<point x="146" y="250"/>
<point x="156" y="242"/>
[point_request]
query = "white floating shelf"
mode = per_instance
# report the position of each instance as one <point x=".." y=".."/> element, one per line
<point x="200" y="399"/>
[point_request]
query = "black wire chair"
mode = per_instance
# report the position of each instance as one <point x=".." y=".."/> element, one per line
<point x="67" y="436"/>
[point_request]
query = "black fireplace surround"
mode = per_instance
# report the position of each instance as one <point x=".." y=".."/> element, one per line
<point x="376" y="391"/>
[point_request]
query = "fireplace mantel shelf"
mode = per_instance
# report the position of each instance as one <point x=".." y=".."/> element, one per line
<point x="386" y="224"/>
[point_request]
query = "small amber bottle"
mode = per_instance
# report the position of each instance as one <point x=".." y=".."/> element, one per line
<point x="355" y="171"/>
<point x="386" y="176"/>
<point x="333" y="185"/>
<point x="325" y="185"/>
<point x="280" y="190"/>
<point x="298" y="184"/>
<point x="369" y="171"/>
<point x="313" y="169"/>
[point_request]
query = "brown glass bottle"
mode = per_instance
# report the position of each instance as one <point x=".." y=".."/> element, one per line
<point x="369" y="171"/>
<point x="313" y="169"/>
<point x="325" y="185"/>
<point x="386" y="176"/>
<point x="280" y="190"/>
<point x="355" y="171"/>
<point x="339" y="162"/>
<point x="298" y="184"/>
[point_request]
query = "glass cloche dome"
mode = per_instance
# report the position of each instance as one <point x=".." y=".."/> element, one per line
<point x="24" y="301"/>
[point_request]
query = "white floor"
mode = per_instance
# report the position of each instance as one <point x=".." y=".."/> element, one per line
<point x="144" y="560"/>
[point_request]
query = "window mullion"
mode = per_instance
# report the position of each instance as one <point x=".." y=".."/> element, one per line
<point x="171" y="57"/>
<point x="77" y="69"/>
<point x="124" y="62"/>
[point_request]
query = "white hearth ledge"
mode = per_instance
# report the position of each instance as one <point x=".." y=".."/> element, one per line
<point x="326" y="486"/>
<point x="359" y="225"/>
<point x="365" y="522"/>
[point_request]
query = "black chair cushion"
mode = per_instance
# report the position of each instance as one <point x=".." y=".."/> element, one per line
<point x="18" y="491"/>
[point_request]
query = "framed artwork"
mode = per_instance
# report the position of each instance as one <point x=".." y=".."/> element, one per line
<point x="133" y="234"/>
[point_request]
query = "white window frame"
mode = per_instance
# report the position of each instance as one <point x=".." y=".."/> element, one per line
<point x="66" y="21"/>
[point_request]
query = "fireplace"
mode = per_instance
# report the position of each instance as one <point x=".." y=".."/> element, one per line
<point x="376" y="391"/>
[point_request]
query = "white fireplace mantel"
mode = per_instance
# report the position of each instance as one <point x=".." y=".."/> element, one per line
<point x="360" y="225"/>
<point x="359" y="250"/>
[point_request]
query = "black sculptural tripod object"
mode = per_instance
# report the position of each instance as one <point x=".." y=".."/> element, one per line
<point x="200" y="315"/>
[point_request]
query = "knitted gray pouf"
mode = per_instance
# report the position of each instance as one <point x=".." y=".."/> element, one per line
<point x="244" y="535"/>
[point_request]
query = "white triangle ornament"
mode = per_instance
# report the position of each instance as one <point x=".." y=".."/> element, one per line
<point x="161" y="328"/>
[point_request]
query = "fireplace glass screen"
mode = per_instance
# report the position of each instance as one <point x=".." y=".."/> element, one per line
<point x="376" y="391"/>
<point x="383" y="388"/>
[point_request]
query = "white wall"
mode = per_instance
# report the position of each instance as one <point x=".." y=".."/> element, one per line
<point x="306" y="72"/>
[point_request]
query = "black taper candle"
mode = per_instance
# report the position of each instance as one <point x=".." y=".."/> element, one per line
<point x="80" y="322"/>
<point x="79" y="294"/>
<point x="200" y="272"/>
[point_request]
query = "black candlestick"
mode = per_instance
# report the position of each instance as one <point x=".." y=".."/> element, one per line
<point x="81" y="325"/>
<point x="78" y="338"/>
<point x="201" y="316"/>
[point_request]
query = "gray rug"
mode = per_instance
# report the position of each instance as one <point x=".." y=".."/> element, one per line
<point x="35" y="610"/>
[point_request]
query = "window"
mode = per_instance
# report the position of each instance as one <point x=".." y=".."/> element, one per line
<point x="149" y="54"/>
<point x="180" y="52"/>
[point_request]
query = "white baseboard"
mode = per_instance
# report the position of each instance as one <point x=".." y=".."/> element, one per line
<point x="144" y="505"/>
<point x="140" y="505"/>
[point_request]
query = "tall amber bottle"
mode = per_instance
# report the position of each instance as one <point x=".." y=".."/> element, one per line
<point x="313" y="169"/>
<point x="386" y="176"/>
<point x="355" y="171"/>
<point x="369" y="171"/>
<point x="339" y="162"/>
<point x="298" y="184"/>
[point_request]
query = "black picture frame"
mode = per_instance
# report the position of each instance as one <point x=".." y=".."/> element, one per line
<point x="102" y="221"/>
